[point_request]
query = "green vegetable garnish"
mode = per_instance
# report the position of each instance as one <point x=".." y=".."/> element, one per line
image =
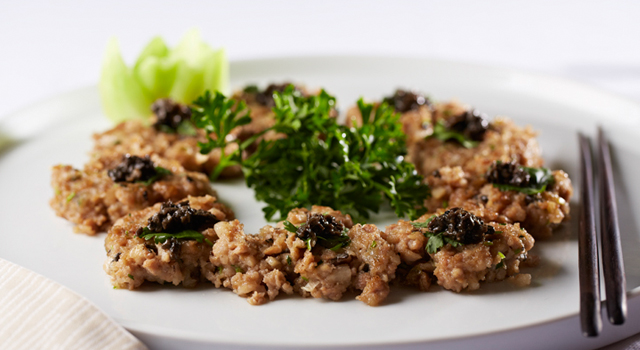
<point x="290" y="227"/>
<point x="319" y="162"/>
<point x="541" y="178"/>
<point x="423" y="224"/>
<point x="182" y="74"/>
<point x="322" y="162"/>
<point x="441" y="133"/>
<point x="161" y="237"/>
<point x="218" y="115"/>
<point x="437" y="241"/>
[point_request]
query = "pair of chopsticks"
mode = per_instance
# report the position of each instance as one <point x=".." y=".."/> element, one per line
<point x="612" y="266"/>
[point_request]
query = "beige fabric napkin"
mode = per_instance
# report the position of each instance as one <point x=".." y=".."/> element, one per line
<point x="38" y="313"/>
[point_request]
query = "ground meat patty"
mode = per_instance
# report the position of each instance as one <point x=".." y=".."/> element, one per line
<point x="459" y="268"/>
<point x="503" y="141"/>
<point x="131" y="260"/>
<point x="93" y="201"/>
<point x="261" y="266"/>
<point x="538" y="214"/>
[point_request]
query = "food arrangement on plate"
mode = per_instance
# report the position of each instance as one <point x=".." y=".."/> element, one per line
<point x="474" y="190"/>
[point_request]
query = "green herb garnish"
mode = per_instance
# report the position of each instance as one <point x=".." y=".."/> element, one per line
<point x="374" y="244"/>
<point x="289" y="226"/>
<point x="334" y="242"/>
<point x="131" y="276"/>
<point x="288" y="259"/>
<point x="161" y="237"/>
<point x="70" y="196"/>
<point x="218" y="115"/>
<point x="319" y="162"/>
<point x="437" y="241"/>
<point x="441" y="133"/>
<point x="237" y="268"/>
<point x="423" y="224"/>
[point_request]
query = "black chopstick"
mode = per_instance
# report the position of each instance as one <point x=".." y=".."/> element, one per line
<point x="590" y="318"/>
<point x="612" y="265"/>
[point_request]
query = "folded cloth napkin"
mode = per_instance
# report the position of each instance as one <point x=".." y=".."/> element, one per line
<point x="38" y="313"/>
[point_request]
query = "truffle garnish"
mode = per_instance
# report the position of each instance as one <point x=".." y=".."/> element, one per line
<point x="471" y="124"/>
<point x="460" y="225"/>
<point x="265" y="97"/>
<point x="318" y="225"/>
<point x="508" y="174"/>
<point x="133" y="169"/>
<point x="404" y="101"/>
<point x="169" y="114"/>
<point x="175" y="218"/>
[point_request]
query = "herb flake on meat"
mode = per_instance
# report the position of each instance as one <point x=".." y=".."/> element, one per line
<point x="161" y="237"/>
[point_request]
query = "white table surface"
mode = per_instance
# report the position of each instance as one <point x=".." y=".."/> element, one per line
<point x="50" y="47"/>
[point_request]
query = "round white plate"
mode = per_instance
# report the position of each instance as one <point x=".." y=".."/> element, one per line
<point x="59" y="131"/>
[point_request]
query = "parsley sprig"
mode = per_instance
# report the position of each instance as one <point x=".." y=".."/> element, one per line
<point x="442" y="133"/>
<point x="353" y="169"/>
<point x="161" y="237"/>
<point x="541" y="178"/>
<point x="435" y="241"/>
<point x="218" y="115"/>
<point x="318" y="162"/>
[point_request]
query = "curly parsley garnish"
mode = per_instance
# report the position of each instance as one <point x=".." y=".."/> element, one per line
<point x="218" y="115"/>
<point x="319" y="162"/>
<point x="353" y="169"/>
<point x="161" y="237"/>
<point x="441" y="133"/>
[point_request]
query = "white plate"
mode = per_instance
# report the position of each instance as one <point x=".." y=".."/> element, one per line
<point x="59" y="131"/>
